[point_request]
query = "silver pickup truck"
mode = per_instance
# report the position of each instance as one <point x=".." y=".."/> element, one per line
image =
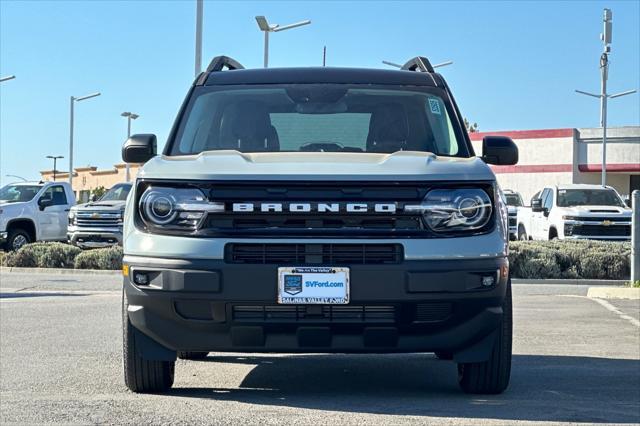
<point x="99" y="223"/>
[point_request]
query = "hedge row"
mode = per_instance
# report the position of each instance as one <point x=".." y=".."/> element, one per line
<point x="570" y="259"/>
<point x="59" y="255"/>
<point x="528" y="259"/>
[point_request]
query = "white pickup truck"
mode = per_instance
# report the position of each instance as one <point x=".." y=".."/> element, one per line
<point x="34" y="212"/>
<point x="576" y="211"/>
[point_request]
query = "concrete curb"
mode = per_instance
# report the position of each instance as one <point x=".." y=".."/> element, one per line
<point x="614" y="293"/>
<point x="570" y="282"/>
<point x="61" y="271"/>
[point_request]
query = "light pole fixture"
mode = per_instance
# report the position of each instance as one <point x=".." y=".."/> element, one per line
<point x="198" y="62"/>
<point x="607" y="20"/>
<point x="55" y="160"/>
<point x="6" y="78"/>
<point x="264" y="25"/>
<point x="19" y="177"/>
<point x="130" y="116"/>
<point x="72" y="102"/>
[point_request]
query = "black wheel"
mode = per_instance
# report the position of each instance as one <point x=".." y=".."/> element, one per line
<point x="141" y="375"/>
<point x="445" y="356"/>
<point x="192" y="355"/>
<point x="17" y="238"/>
<point x="522" y="235"/>
<point x="492" y="376"/>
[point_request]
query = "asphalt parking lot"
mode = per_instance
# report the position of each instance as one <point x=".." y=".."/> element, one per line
<point x="60" y="361"/>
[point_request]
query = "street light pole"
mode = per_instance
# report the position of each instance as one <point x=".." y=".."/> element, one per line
<point x="603" y="96"/>
<point x="130" y="116"/>
<point x="264" y="25"/>
<point x="55" y="159"/>
<point x="198" y="64"/>
<point x="72" y="102"/>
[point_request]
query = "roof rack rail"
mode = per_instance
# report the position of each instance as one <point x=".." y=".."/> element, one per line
<point x="419" y="63"/>
<point x="220" y="62"/>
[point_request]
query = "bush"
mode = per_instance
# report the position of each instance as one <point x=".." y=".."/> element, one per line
<point x="43" y="255"/>
<point x="104" y="258"/>
<point x="570" y="259"/>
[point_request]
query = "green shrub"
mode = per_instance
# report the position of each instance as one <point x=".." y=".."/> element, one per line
<point x="570" y="259"/>
<point x="109" y="258"/>
<point x="43" y="255"/>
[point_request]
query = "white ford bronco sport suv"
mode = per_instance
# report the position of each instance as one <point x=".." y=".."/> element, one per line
<point x="317" y="210"/>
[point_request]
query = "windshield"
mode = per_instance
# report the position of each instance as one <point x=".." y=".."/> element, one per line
<point x="117" y="193"/>
<point x="513" y="200"/>
<point x="588" y="197"/>
<point x="317" y="118"/>
<point x="18" y="193"/>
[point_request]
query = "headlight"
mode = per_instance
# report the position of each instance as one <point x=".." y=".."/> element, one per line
<point x="446" y="210"/>
<point x="175" y="208"/>
<point x="72" y="217"/>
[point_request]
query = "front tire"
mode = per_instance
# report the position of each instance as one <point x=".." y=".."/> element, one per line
<point x="142" y="375"/>
<point x="522" y="234"/>
<point x="492" y="376"/>
<point x="17" y="238"/>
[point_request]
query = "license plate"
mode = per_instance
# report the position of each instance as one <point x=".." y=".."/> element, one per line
<point x="313" y="285"/>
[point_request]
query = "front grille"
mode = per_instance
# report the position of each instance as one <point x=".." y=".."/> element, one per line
<point x="601" y="230"/>
<point x="600" y="219"/>
<point x="337" y="221"/>
<point x="314" y="254"/>
<point x="433" y="311"/>
<point x="98" y="219"/>
<point x="513" y="220"/>
<point x="314" y="313"/>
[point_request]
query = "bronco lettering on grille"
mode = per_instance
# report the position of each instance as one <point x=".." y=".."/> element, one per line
<point x="314" y="207"/>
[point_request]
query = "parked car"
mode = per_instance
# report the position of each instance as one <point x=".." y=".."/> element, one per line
<point x="514" y="202"/>
<point x="576" y="211"/>
<point x="34" y="211"/>
<point x="317" y="210"/>
<point x="99" y="223"/>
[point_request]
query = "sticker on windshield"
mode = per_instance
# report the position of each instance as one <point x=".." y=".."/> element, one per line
<point x="434" y="105"/>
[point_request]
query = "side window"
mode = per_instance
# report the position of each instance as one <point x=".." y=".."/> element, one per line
<point x="548" y="202"/>
<point x="56" y="194"/>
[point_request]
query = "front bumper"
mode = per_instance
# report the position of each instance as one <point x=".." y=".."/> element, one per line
<point x="414" y="306"/>
<point x="94" y="237"/>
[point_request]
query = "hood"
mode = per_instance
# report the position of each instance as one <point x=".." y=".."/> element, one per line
<point x="101" y="206"/>
<point x="402" y="165"/>
<point x="597" y="211"/>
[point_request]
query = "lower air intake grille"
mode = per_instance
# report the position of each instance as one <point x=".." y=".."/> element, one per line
<point x="314" y="313"/>
<point x="310" y="254"/>
<point x="432" y="312"/>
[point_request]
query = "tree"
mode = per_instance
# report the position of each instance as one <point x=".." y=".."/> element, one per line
<point x="98" y="192"/>
<point x="471" y="128"/>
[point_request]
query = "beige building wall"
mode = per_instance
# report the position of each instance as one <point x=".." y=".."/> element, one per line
<point x="87" y="179"/>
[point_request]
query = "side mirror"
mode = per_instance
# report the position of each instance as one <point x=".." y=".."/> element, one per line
<point x="94" y="198"/>
<point x="43" y="203"/>
<point x="536" y="205"/>
<point x="139" y="148"/>
<point x="499" y="150"/>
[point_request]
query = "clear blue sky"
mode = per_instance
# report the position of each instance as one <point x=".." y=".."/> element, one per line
<point x="516" y="63"/>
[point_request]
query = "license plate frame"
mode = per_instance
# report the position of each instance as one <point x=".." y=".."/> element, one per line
<point x="313" y="285"/>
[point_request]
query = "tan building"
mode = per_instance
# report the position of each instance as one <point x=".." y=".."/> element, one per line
<point x="87" y="179"/>
<point x="562" y="156"/>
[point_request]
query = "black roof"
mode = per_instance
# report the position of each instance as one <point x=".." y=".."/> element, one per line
<point x="322" y="75"/>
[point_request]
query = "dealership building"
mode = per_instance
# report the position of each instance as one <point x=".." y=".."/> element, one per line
<point x="547" y="157"/>
<point x="562" y="156"/>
